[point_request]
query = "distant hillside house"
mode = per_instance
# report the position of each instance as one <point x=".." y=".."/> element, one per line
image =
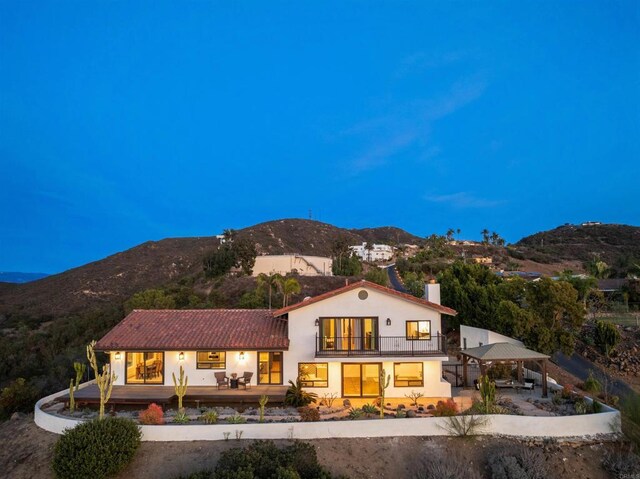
<point x="293" y="263"/>
<point x="377" y="252"/>
<point x="483" y="259"/>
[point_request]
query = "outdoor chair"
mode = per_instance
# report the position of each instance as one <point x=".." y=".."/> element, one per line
<point x="221" y="379"/>
<point x="529" y="384"/>
<point x="245" y="380"/>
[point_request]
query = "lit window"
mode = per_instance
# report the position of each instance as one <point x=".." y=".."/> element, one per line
<point x="314" y="375"/>
<point x="211" y="360"/>
<point x="418" y="329"/>
<point x="407" y="374"/>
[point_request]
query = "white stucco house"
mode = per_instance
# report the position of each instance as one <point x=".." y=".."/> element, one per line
<point x="283" y="264"/>
<point x="337" y="342"/>
<point x="377" y="252"/>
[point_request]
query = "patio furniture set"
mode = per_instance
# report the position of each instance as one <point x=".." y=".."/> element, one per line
<point x="234" y="381"/>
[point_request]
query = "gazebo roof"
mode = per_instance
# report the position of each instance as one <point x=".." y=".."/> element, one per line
<point x="502" y="352"/>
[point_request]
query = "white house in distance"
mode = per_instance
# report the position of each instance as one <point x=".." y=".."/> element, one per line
<point x="284" y="264"/>
<point x="337" y="342"/>
<point x="378" y="252"/>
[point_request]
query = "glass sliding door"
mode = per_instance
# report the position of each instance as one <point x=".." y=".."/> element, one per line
<point x="349" y="334"/>
<point x="361" y="379"/>
<point x="270" y="367"/>
<point x="145" y="368"/>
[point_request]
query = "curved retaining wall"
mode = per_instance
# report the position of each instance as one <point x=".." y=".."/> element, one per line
<point x="606" y="422"/>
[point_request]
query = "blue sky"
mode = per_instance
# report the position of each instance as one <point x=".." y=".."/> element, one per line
<point x="122" y="122"/>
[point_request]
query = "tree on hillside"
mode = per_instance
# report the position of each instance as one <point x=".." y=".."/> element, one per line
<point x="368" y="246"/>
<point x="485" y="236"/>
<point x="149" y="299"/>
<point x="378" y="276"/>
<point x="598" y="268"/>
<point x="237" y="254"/>
<point x="345" y="262"/>
<point x="269" y="281"/>
<point x="290" y="286"/>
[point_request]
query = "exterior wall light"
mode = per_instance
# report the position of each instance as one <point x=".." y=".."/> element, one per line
<point x="317" y="321"/>
<point x="388" y="321"/>
<point x="181" y="356"/>
<point x="241" y="356"/>
<point x="118" y="356"/>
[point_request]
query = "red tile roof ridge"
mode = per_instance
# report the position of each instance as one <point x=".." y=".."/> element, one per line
<point x="369" y="284"/>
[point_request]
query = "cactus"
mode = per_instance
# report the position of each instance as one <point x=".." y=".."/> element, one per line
<point x="72" y="400"/>
<point x="487" y="393"/>
<point x="181" y="386"/>
<point x="383" y="386"/>
<point x="104" y="379"/>
<point x="80" y="369"/>
<point x="263" y="402"/>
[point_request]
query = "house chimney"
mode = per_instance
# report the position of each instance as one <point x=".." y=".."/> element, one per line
<point x="432" y="291"/>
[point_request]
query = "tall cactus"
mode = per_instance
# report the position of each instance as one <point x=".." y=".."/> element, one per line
<point x="72" y="400"/>
<point x="181" y="386"/>
<point x="384" y="384"/>
<point x="80" y="369"/>
<point x="263" y="402"/>
<point x="487" y="393"/>
<point x="104" y="379"/>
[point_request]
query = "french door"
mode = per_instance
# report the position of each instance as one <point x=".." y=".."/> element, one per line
<point x="361" y="379"/>
<point x="270" y="367"/>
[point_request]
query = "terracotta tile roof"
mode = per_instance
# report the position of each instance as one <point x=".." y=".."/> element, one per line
<point x="367" y="284"/>
<point x="204" y="329"/>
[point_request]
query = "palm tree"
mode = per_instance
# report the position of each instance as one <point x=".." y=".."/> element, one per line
<point x="289" y="287"/>
<point x="269" y="280"/>
<point x="369" y="248"/>
<point x="485" y="236"/>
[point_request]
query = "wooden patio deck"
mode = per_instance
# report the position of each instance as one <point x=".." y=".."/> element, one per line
<point x="166" y="394"/>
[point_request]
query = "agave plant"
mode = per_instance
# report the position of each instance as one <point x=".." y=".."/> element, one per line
<point x="298" y="397"/>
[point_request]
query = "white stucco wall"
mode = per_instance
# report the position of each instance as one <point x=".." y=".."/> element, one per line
<point x="197" y="377"/>
<point x="605" y="422"/>
<point x="302" y="336"/>
<point x="286" y="263"/>
<point x="481" y="337"/>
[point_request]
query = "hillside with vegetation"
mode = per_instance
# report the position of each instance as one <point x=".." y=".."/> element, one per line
<point x="618" y="246"/>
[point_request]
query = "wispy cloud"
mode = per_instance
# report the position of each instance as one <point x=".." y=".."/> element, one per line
<point x="463" y="199"/>
<point x="408" y="125"/>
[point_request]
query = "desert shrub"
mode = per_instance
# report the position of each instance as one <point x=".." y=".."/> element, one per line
<point x="265" y="459"/>
<point x="581" y="406"/>
<point x="567" y="391"/>
<point x="152" y="415"/>
<point x="606" y="336"/>
<point x="446" y="468"/>
<point x="446" y="408"/>
<point x="296" y="396"/>
<point x="236" y="419"/>
<point x="181" y="417"/>
<point x="464" y="425"/>
<point x="18" y="396"/>
<point x="622" y="462"/>
<point x="209" y="417"/>
<point x="370" y="409"/>
<point x="592" y="385"/>
<point x="96" y="449"/>
<point x="557" y="399"/>
<point x="355" y="413"/>
<point x="309" y="414"/>
<point x="596" y="407"/>
<point x="401" y="413"/>
<point x="521" y="463"/>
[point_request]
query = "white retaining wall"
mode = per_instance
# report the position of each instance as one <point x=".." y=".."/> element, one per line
<point x="606" y="422"/>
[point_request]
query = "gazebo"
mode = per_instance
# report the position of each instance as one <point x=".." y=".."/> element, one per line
<point x="501" y="353"/>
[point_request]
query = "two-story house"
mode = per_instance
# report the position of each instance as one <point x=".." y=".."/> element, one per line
<point x="337" y="342"/>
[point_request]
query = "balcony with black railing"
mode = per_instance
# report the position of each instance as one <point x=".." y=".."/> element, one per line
<point x="355" y="346"/>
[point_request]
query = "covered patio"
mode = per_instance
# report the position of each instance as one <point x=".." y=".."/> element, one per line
<point x="504" y="353"/>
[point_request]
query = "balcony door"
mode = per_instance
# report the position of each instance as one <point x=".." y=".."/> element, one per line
<point x="349" y="334"/>
<point x="361" y="379"/>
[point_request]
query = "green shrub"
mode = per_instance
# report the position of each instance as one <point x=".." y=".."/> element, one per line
<point x="153" y="415"/>
<point x="592" y="385"/>
<point x="355" y="413"/>
<point x="309" y="414"/>
<point x="596" y="407"/>
<point x="296" y="396"/>
<point x="370" y="409"/>
<point x="181" y="417"/>
<point x="606" y="336"/>
<point x="264" y="459"/>
<point x="581" y="406"/>
<point x="209" y="417"/>
<point x="439" y="468"/>
<point x="236" y="419"/>
<point x="19" y="396"/>
<point x="96" y="449"/>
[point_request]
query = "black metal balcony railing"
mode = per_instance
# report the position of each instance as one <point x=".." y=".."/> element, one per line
<point x="339" y="346"/>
